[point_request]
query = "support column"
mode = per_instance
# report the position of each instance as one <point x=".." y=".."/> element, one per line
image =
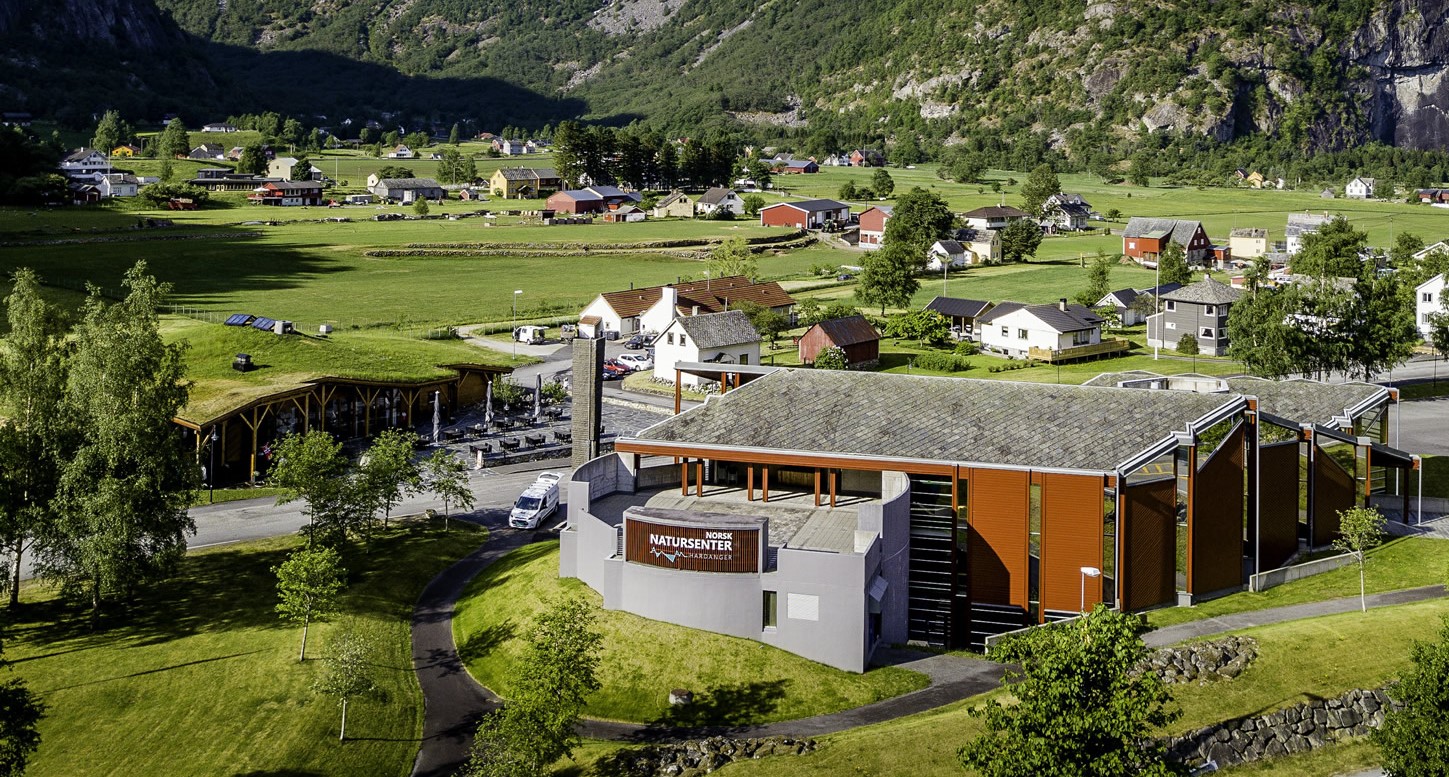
<point x="1191" y="487"/>
<point x="699" y="478"/>
<point x="832" y="488"/>
<point x="1311" y="502"/>
<point x="765" y="484"/>
<point x="684" y="477"/>
<point x="817" y="486"/>
<point x="749" y="482"/>
<point x="677" y="391"/>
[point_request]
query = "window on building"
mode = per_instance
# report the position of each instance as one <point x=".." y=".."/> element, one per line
<point x="683" y="340"/>
<point x="1006" y="331"/>
<point x="669" y="338"/>
<point x="1210" y="310"/>
<point x="1170" y="305"/>
<point x="1208" y="333"/>
<point x="1428" y="296"/>
<point x="1033" y="586"/>
<point x="1171" y="324"/>
<point x="770" y="610"/>
<point x="744" y="358"/>
<point x="1083" y="337"/>
<point x="1021" y="334"/>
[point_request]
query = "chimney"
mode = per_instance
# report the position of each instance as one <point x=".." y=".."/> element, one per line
<point x="670" y="297"/>
<point x="694" y="310"/>
<point x="1062" y="304"/>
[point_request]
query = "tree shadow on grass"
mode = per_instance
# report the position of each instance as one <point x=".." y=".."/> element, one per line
<point x="483" y="642"/>
<point x="718" y="710"/>
<point x="277" y="773"/>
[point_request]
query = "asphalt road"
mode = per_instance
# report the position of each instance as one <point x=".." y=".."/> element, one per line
<point x="1422" y="426"/>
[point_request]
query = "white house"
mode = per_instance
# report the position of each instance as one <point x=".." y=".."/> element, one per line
<point x="719" y="198"/>
<point x="1359" y="189"/>
<point x="84" y="163"/>
<point x="1442" y="245"/>
<point x="285" y="168"/>
<point x="401" y="152"/>
<point x="724" y="338"/>
<point x="970" y="247"/>
<point x="993" y="217"/>
<point x="1121" y="300"/>
<point x="1301" y="224"/>
<point x="1429" y="299"/>
<point x="1013" y="328"/>
<point x="649" y="310"/>
<point x="218" y="127"/>
<point x="119" y="185"/>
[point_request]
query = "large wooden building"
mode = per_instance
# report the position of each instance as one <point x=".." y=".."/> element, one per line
<point x="852" y="334"/>
<point x="902" y="508"/>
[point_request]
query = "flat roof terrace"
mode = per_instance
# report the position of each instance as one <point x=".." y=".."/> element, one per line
<point x="795" y="521"/>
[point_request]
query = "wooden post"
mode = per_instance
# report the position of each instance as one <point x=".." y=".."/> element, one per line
<point x="677" y="391"/>
<point x="699" y="478"/>
<point x="684" y="477"/>
<point x="832" y="488"/>
<point x="955" y="493"/>
<point x="817" y="486"/>
<point x="1191" y="527"/>
<point x="749" y="482"/>
<point x="367" y="399"/>
<point x="765" y="484"/>
<point x="1368" y="475"/>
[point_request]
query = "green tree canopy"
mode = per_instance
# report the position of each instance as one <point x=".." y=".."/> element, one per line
<point x="918" y="219"/>
<point x="445" y="477"/>
<point x="1019" y="240"/>
<point x="1040" y="184"/>
<point x="733" y="257"/>
<point x="1084" y="708"/>
<point x="1360" y="529"/>
<point x="766" y="321"/>
<point x="387" y="472"/>
<point x="1099" y="280"/>
<point x="1413" y="739"/>
<point x="311" y="467"/>
<point x="253" y="160"/>
<point x="1333" y="251"/>
<point x="882" y="183"/>
<point x="888" y="278"/>
<point x="347" y="674"/>
<point x="308" y="584"/>
<point x="109" y="133"/>
<point x="175" y="140"/>
<point x="1172" y="265"/>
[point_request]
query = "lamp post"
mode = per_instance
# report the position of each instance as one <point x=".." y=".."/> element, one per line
<point x="1086" y="573"/>
<point x="211" y="473"/>
<point x="513" y="333"/>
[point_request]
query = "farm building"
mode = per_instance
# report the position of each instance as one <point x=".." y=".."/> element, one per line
<point x="872" y="226"/>
<point x="1145" y="239"/>
<point x="805" y="214"/>
<point x="852" y="334"/>
<point x="961" y="313"/>
<point x="406" y="190"/>
<point x="719" y="198"/>
<point x="676" y="204"/>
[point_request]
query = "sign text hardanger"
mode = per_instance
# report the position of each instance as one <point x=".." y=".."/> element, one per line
<point x="692" y="548"/>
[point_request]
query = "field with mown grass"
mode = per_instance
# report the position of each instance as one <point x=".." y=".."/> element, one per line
<point x="736" y="681"/>
<point x="1406" y="562"/>
<point x="200" y="676"/>
<point x="1322" y="657"/>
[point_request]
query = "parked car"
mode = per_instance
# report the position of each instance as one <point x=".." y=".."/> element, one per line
<point x="635" y="343"/>
<point x="637" y="361"/>
<point x="536" y="503"/>
<point x="614" y="370"/>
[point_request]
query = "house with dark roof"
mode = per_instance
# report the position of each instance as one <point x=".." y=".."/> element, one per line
<point x="962" y="313"/>
<point x="993" y="217"/>
<point x="852" y="334"/>
<point x="717" y="338"/>
<point x="524" y="182"/>
<point x="676" y="204"/>
<point x="207" y="151"/>
<point x="1122" y="301"/>
<point x="1064" y="212"/>
<point x="1198" y="310"/>
<point x="866" y="157"/>
<point x="719" y="198"/>
<point x="967" y="247"/>
<point x="84" y="163"/>
<point x="287" y="193"/>
<point x="805" y="214"/>
<point x="1145" y="239"/>
<point x="1044" y="332"/>
<point x="118" y="185"/>
<point x="847" y="477"/>
<point x="649" y="310"/>
<point x="219" y="126"/>
<point x="406" y="190"/>
<point x="1360" y="189"/>
<point x="1301" y="225"/>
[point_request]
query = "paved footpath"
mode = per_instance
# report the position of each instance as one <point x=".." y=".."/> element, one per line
<point x="1209" y="626"/>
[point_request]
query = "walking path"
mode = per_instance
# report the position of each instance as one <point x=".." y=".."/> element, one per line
<point x="455" y="702"/>
<point x="1242" y="620"/>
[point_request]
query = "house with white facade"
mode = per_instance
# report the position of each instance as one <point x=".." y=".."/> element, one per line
<point x="722" y="338"/>
<point x="119" y="185"/>
<point x="401" y="152"/>
<point x="1014" y="329"/>
<point x="649" y="310"/>
<point x="1301" y="225"/>
<point x="717" y="199"/>
<point x="1428" y="300"/>
<point x="1122" y="301"/>
<point x="969" y="247"/>
<point x="993" y="217"/>
<point x="1359" y="189"/>
<point x="84" y="163"/>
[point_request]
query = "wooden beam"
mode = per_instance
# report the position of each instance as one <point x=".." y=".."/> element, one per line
<point x="765" y="484"/>
<point x="832" y="487"/>
<point x="817" y="486"/>
<point x="788" y="459"/>
<point x="1191" y="486"/>
<point x="678" y="396"/>
<point x="699" y="478"/>
<point x="749" y="482"/>
<point x="684" y="477"/>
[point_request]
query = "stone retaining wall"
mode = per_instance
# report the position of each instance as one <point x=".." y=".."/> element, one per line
<point x="702" y="756"/>
<point x="1296" y="729"/>
<point x="1219" y="659"/>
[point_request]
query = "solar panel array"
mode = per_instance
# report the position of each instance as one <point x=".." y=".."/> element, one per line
<point x="240" y="319"/>
<point x="263" y="323"/>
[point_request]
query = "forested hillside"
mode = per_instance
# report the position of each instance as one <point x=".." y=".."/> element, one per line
<point x="1072" y="78"/>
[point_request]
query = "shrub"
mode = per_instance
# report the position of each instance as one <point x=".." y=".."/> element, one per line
<point x="832" y="358"/>
<point x="1187" y="345"/>
<point x="943" y="362"/>
<point x="967" y="348"/>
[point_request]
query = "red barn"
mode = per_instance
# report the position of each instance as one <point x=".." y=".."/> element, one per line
<point x="1145" y="239"/>
<point x="576" y="201"/>
<point x="806" y="214"/>
<point x="852" y="334"/>
<point x="872" y="226"/>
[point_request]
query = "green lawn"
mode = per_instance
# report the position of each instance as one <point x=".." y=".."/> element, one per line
<point x="1407" y="562"/>
<point x="736" y="681"/>
<point x="222" y="495"/>
<point x="201" y="678"/>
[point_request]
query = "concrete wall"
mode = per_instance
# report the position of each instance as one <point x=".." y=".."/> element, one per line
<point x="891" y="519"/>
<point x="1276" y="577"/>
<point x="834" y="585"/>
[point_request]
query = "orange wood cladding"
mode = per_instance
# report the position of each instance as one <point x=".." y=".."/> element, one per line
<point x="997" y="549"/>
<point x="742" y="555"/>
<point x="1071" y="538"/>
<point x="1277" y="503"/>
<point x="1216" y="525"/>
<point x="1149" y="542"/>
<point x="1332" y="491"/>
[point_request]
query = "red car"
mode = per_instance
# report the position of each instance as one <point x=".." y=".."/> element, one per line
<point x="614" y="370"/>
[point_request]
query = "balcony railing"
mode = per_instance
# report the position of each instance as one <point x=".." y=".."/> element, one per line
<point x="1104" y="348"/>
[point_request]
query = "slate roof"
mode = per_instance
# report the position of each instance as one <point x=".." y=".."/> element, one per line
<point x="671" y="198"/>
<point x="1181" y="230"/>
<point x="581" y="195"/>
<point x="970" y="235"/>
<point x="1063" y="198"/>
<point x="1249" y="232"/>
<point x="1205" y="292"/>
<point x="1297" y="399"/>
<point x="1305" y="223"/>
<point x="409" y="183"/>
<point x="811" y="206"/>
<point x="995" y="212"/>
<point x="1127" y="296"/>
<point x="517" y="174"/>
<point x="1074" y="318"/>
<point x="924" y="418"/>
<point x="711" y="295"/>
<point x="848" y="331"/>
<point x="80" y="154"/>
<point x="717" y="330"/>
<point x="951" y="247"/>
<point x="956" y="307"/>
<point x="714" y="195"/>
<point x="1124" y="297"/>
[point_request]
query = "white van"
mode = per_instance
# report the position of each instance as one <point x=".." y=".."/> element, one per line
<point x="531" y="334"/>
<point x="537" y="502"/>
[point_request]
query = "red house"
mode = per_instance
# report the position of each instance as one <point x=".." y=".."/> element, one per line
<point x="872" y="226"/>
<point x="288" y="193"/>
<point x="1145" y="239"/>
<point x="852" y="334"/>
<point x="797" y="166"/>
<point x="806" y="214"/>
<point x="576" y="201"/>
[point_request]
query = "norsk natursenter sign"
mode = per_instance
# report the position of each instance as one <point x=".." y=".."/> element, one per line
<point x="697" y="547"/>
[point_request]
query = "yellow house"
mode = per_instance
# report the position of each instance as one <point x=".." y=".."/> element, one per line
<point x="1255" y="179"/>
<point x="523" y="182"/>
<point x="126" y="150"/>
<point x="676" y="204"/>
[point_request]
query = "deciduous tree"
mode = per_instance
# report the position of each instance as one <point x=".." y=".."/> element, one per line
<point x="888" y="278"/>
<point x="1099" y="280"/>
<point x="733" y="257"/>
<point x="765" y="320"/>
<point x="387" y="472"/>
<point x="882" y="183"/>
<point x="1040" y="184"/>
<point x="1413" y="739"/>
<point x="1331" y="252"/>
<point x="1360" y="529"/>
<point x="347" y="675"/>
<point x="311" y="467"/>
<point x="108" y="133"/>
<point x="253" y="160"/>
<point x="1019" y="240"/>
<point x="1084" y="708"/>
<point x="445" y="477"/>
<point x="20" y="713"/>
<point x="1172" y="265"/>
<point x="308" y="584"/>
<point x="1377" y="327"/>
<point x="175" y="140"/>
<point x="918" y="219"/>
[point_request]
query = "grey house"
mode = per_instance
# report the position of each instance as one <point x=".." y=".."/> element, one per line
<point x="1199" y="309"/>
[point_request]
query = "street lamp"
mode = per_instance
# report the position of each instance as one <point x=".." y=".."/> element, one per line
<point x="513" y="333"/>
<point x="1086" y="573"/>
<point x="211" y="473"/>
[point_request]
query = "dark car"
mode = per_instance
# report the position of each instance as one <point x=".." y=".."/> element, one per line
<point x="635" y="343"/>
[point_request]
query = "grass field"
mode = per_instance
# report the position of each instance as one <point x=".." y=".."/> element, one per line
<point x="202" y="678"/>
<point x="1407" y="562"/>
<point x="736" y="681"/>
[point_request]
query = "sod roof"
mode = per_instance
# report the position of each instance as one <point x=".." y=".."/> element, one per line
<point x="924" y="418"/>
